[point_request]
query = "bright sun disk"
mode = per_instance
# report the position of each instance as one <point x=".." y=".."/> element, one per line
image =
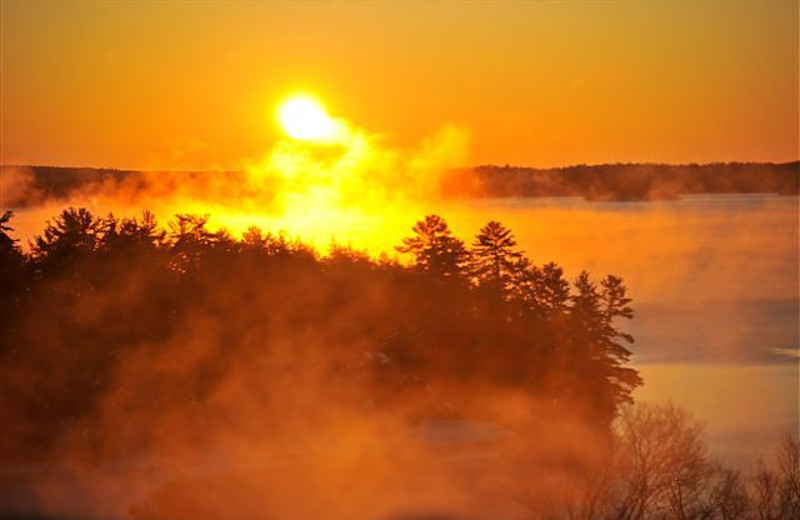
<point x="302" y="117"/>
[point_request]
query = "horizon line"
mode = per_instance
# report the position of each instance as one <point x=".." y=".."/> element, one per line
<point x="476" y="166"/>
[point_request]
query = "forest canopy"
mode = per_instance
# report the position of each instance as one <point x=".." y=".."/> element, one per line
<point x="104" y="317"/>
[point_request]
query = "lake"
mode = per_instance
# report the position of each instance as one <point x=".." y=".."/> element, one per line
<point x="715" y="286"/>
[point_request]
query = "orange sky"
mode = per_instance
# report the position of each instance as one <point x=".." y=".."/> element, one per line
<point x="176" y="84"/>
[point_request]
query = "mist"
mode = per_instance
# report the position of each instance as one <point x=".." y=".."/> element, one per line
<point x="230" y="373"/>
<point x="140" y="365"/>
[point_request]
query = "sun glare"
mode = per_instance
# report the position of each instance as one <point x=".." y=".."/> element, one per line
<point x="302" y="117"/>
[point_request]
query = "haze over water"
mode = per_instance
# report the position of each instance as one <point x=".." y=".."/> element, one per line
<point x="715" y="285"/>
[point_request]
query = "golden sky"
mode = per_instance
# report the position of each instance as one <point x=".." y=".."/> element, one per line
<point x="195" y="84"/>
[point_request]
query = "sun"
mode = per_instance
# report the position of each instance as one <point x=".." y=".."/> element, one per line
<point x="302" y="117"/>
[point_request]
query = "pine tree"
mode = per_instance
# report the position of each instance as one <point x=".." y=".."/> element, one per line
<point x="494" y="256"/>
<point x="598" y="351"/>
<point x="72" y="234"/>
<point x="436" y="251"/>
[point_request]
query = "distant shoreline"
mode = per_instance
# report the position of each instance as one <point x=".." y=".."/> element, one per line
<point x="25" y="186"/>
<point x="628" y="182"/>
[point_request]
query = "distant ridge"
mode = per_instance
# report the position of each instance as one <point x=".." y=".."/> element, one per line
<point x="626" y="181"/>
<point x="23" y="186"/>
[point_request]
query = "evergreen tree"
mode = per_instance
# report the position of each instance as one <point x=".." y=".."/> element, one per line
<point x="543" y="290"/>
<point x="12" y="262"/>
<point x="494" y="256"/>
<point x="7" y="244"/>
<point x="73" y="234"/>
<point x="436" y="251"/>
<point x="129" y="234"/>
<point x="598" y="351"/>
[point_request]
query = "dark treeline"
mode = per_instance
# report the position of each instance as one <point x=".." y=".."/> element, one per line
<point x="627" y="181"/>
<point x="605" y="182"/>
<point x="93" y="294"/>
<point x="55" y="182"/>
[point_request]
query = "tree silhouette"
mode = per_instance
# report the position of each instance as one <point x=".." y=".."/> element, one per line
<point x="12" y="269"/>
<point x="615" y="304"/>
<point x="73" y="234"/>
<point x="596" y="345"/>
<point x="191" y="242"/>
<point x="435" y="250"/>
<point x="7" y="244"/>
<point x="494" y="256"/>
<point x="131" y="233"/>
<point x="11" y="258"/>
<point x="543" y="290"/>
<point x="189" y="231"/>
